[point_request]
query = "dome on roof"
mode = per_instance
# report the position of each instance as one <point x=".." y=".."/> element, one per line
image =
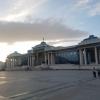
<point x="15" y="54"/>
<point x="41" y="45"/>
<point x="89" y="40"/>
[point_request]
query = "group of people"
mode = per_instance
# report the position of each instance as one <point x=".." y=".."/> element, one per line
<point x="96" y="73"/>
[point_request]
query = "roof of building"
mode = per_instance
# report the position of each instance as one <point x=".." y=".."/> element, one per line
<point x="43" y="45"/>
<point x="30" y="51"/>
<point x="15" y="54"/>
<point x="91" y="39"/>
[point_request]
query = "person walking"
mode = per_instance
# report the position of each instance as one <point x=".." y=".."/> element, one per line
<point x="98" y="73"/>
<point x="94" y="72"/>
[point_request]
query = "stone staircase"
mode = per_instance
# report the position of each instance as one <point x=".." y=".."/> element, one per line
<point x="73" y="67"/>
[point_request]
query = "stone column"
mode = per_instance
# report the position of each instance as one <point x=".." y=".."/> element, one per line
<point x="85" y="57"/>
<point x="28" y="60"/>
<point x="99" y="56"/>
<point x="37" y="59"/>
<point x="96" y="57"/>
<point x="10" y="63"/>
<point x="7" y="63"/>
<point x="48" y="59"/>
<point x="19" y="61"/>
<point x="51" y="58"/>
<point x="15" y="62"/>
<point x="45" y="58"/>
<point x="81" y="56"/>
<point x="32" y="60"/>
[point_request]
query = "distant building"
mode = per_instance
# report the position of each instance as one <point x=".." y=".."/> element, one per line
<point x="16" y="60"/>
<point x="87" y="52"/>
<point x="2" y="66"/>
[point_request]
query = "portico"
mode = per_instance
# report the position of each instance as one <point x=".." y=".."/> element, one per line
<point x="40" y="54"/>
<point x="89" y="56"/>
<point x="13" y="60"/>
<point x="89" y="53"/>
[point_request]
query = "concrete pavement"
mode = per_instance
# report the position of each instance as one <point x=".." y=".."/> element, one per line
<point x="49" y="85"/>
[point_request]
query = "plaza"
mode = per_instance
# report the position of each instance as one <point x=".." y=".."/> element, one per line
<point x="49" y="85"/>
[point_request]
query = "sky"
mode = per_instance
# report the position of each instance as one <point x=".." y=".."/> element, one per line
<point x="24" y="23"/>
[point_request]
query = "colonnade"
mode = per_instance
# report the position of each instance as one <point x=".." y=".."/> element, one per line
<point x="12" y="62"/>
<point x="33" y="59"/>
<point x="83" y="55"/>
<point x="50" y="58"/>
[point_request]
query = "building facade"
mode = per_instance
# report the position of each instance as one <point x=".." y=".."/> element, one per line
<point x="87" y="52"/>
<point x="16" y="60"/>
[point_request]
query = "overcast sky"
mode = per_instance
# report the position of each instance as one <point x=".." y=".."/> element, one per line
<point x="23" y="23"/>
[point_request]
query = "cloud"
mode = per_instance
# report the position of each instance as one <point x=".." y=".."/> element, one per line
<point x="29" y="10"/>
<point x="64" y="42"/>
<point x="91" y="7"/>
<point x="80" y="3"/>
<point x="95" y="10"/>
<point x="51" y="30"/>
<point x="18" y="10"/>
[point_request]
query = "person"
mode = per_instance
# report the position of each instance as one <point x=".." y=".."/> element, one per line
<point x="94" y="72"/>
<point x="99" y="73"/>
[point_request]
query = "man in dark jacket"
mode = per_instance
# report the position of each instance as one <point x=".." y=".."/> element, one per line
<point x="99" y="73"/>
<point x="94" y="72"/>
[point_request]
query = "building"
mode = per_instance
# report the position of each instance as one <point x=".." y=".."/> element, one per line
<point x="16" y="61"/>
<point x="87" y="52"/>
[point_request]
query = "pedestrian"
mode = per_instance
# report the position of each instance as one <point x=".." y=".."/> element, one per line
<point x="99" y="73"/>
<point x="94" y="72"/>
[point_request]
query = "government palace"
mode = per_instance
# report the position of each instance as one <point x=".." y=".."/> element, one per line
<point x="85" y="53"/>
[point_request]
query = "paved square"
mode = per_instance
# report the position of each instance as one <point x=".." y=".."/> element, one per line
<point x="49" y="85"/>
